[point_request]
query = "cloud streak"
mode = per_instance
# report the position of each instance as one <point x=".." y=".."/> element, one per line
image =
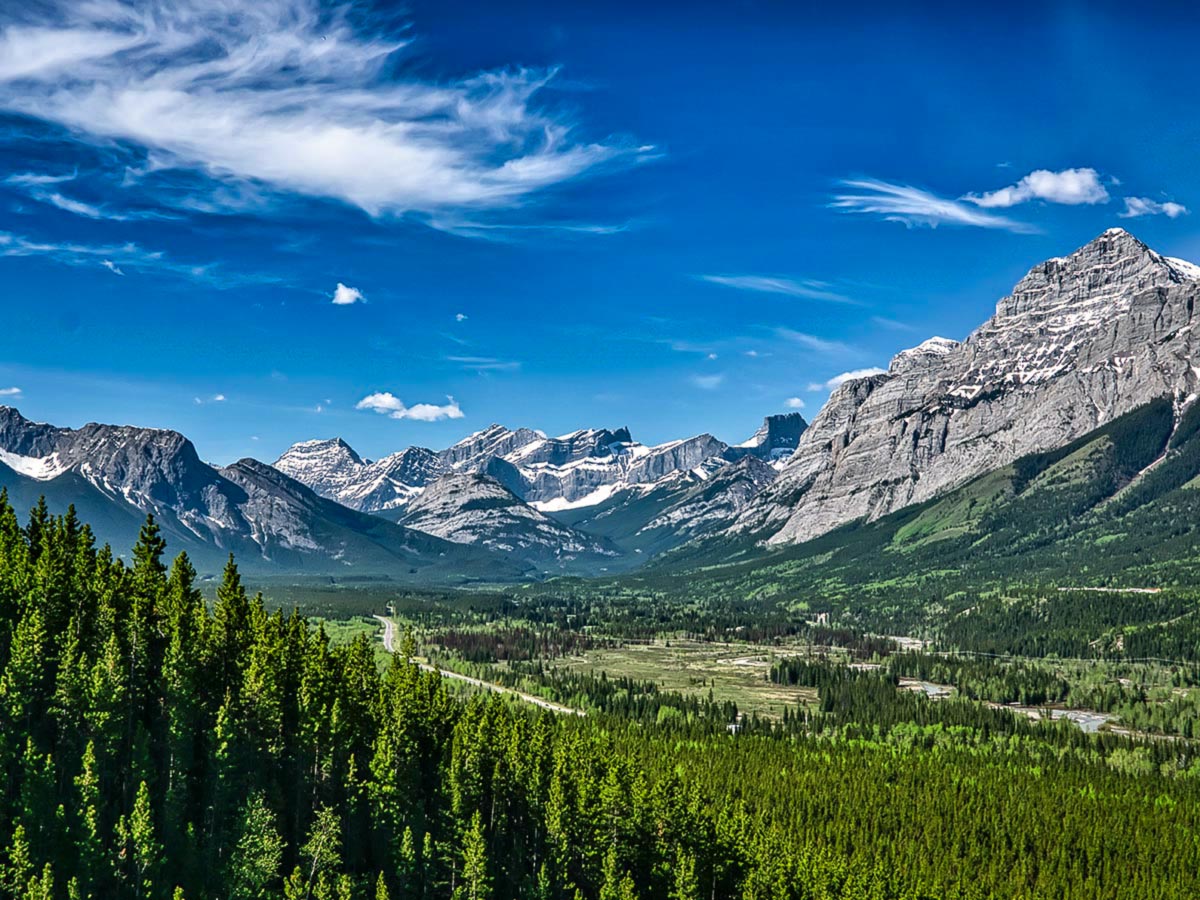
<point x="914" y="207"/>
<point x="807" y="289"/>
<point x="286" y="97"/>
<point x="118" y="257"/>
<point x="484" y="363"/>
<point x="811" y="341"/>
<point x="389" y="405"/>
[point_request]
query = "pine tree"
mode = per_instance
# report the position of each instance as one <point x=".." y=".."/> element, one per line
<point x="476" y="884"/>
<point x="139" y="849"/>
<point x="686" y="885"/>
<point x="258" y="854"/>
<point x="232" y="623"/>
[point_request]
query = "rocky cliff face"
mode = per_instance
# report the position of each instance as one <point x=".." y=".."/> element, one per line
<point x="1081" y="340"/>
<point x="775" y="440"/>
<point x="716" y="500"/>
<point x="335" y="471"/>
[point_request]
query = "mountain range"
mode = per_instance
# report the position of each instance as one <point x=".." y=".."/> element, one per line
<point x="1082" y="341"/>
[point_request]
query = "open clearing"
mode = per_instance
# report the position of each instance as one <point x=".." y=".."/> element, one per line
<point x="733" y="672"/>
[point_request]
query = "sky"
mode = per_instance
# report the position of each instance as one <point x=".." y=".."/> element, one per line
<point x="265" y="223"/>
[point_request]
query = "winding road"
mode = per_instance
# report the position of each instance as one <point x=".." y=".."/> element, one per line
<point x="389" y="644"/>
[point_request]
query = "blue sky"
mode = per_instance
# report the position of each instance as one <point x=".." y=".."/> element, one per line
<point x="680" y="218"/>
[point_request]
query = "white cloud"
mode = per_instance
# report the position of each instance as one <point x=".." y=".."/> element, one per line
<point x="344" y="295"/>
<point x="215" y="398"/>
<point x="1071" y="187"/>
<point x="790" y="287"/>
<point x="389" y="405"/>
<point x="111" y="266"/>
<point x="912" y="206"/>
<point x="286" y="97"/>
<point x="1144" y="206"/>
<point x="752" y="353"/>
<point x="460" y="317"/>
<point x="707" y="382"/>
<point x="711" y="356"/>
<point x="10" y="392"/>
<point x="838" y="380"/>
<point x="794" y="403"/>
<point x="811" y="342"/>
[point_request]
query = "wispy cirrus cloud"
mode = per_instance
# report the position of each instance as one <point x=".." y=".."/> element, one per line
<point x="484" y="363"/>
<point x="1070" y="187"/>
<point x="386" y="403"/>
<point x="812" y="342"/>
<point x="806" y="288"/>
<point x="913" y="206"/>
<point x="287" y="97"/>
<point x="10" y="392"/>
<point x="119" y="257"/>
<point x="891" y="324"/>
<point x="1136" y="207"/>
<point x="515" y="231"/>
<point x="42" y="188"/>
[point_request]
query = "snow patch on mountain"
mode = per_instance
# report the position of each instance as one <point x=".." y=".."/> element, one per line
<point x="39" y="468"/>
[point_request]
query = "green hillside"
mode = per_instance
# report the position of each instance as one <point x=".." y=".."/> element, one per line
<point x="1118" y="508"/>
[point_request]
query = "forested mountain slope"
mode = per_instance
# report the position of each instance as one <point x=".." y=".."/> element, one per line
<point x="1118" y="507"/>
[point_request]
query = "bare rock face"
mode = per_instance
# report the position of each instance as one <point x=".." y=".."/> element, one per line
<point x="716" y="499"/>
<point x="335" y="471"/>
<point x="1081" y="340"/>
<point x="471" y="508"/>
<point x="473" y="452"/>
